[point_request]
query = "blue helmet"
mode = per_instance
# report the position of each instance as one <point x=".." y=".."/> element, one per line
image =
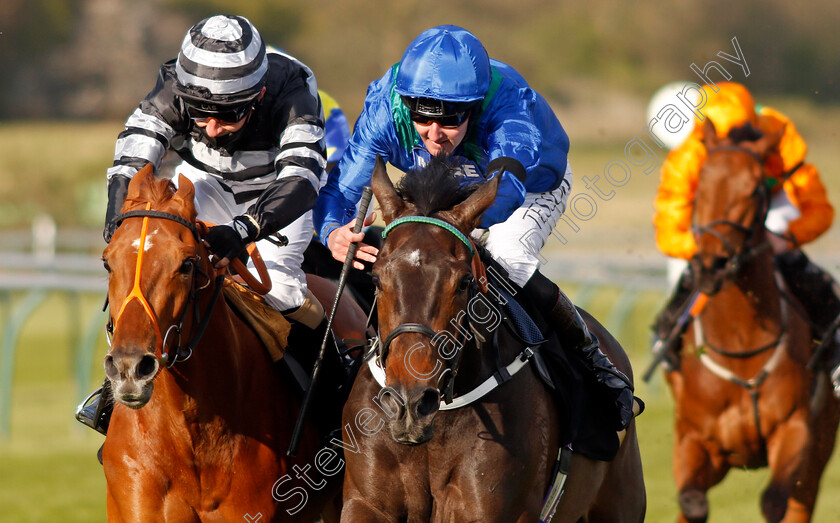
<point x="444" y="63"/>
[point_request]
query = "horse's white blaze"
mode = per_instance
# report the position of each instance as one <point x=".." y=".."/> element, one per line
<point x="414" y="258"/>
<point x="148" y="244"/>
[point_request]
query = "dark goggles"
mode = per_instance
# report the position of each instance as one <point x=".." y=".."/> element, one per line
<point x="224" y="114"/>
<point x="447" y="114"/>
<point x="447" y="120"/>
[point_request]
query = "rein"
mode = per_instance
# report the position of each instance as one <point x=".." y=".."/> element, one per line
<point x="180" y="353"/>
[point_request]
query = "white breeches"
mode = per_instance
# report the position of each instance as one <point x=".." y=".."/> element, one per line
<point x="216" y="205"/>
<point x="516" y="242"/>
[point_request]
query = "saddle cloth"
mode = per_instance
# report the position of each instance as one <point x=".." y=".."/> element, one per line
<point x="269" y="324"/>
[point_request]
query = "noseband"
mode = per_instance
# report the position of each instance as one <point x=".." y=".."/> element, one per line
<point x="446" y="381"/>
<point x="736" y="258"/>
<point x="180" y="353"/>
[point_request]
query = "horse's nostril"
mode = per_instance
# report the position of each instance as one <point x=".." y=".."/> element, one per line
<point x="392" y="403"/>
<point x="111" y="368"/>
<point x="147" y="367"/>
<point x="429" y="403"/>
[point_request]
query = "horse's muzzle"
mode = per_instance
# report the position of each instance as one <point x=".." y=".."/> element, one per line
<point x="709" y="279"/>
<point x="414" y="420"/>
<point x="132" y="376"/>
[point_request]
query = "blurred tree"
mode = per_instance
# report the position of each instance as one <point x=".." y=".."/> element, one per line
<point x="96" y="58"/>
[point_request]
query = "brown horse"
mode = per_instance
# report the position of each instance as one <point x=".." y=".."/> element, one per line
<point x="489" y="460"/>
<point x="202" y="439"/>
<point x="742" y="393"/>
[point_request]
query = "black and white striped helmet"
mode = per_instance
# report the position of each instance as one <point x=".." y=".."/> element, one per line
<point x="222" y="63"/>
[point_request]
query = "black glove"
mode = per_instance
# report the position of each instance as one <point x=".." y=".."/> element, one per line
<point x="229" y="240"/>
<point x="117" y="189"/>
<point x="511" y="165"/>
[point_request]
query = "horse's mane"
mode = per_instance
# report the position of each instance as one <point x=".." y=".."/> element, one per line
<point x="744" y="133"/>
<point x="435" y="187"/>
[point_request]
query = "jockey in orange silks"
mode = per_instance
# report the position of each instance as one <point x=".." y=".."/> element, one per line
<point x="799" y="208"/>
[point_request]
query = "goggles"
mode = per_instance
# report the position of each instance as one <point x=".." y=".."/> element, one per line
<point x="447" y="114"/>
<point x="448" y="120"/>
<point x="224" y="114"/>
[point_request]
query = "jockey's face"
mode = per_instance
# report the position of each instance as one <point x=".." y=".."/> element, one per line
<point x="213" y="127"/>
<point x="437" y="138"/>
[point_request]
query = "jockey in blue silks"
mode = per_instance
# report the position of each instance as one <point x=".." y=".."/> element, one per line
<point x="447" y="96"/>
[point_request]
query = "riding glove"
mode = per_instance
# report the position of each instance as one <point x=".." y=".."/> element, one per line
<point x="229" y="240"/>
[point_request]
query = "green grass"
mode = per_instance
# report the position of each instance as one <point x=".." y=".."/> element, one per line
<point x="48" y="469"/>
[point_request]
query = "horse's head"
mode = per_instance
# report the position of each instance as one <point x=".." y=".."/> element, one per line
<point x="423" y="276"/>
<point x="730" y="205"/>
<point x="152" y="261"/>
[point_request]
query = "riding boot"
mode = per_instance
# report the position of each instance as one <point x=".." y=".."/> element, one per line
<point x="665" y="340"/>
<point x="334" y="380"/>
<point x="95" y="411"/>
<point x="575" y="336"/>
<point x="817" y="291"/>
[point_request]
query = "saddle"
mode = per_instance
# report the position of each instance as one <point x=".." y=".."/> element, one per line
<point x="270" y="325"/>
<point x="583" y="424"/>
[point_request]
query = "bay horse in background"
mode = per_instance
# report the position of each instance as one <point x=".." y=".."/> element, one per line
<point x="489" y="461"/>
<point x="743" y="393"/>
<point x="203" y="439"/>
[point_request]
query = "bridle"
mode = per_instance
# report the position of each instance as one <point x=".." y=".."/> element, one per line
<point x="178" y="353"/>
<point x="737" y="258"/>
<point x="478" y="283"/>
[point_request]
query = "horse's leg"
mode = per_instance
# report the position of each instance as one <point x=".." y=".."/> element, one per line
<point x="823" y="437"/>
<point x="785" y="457"/>
<point x="695" y="472"/>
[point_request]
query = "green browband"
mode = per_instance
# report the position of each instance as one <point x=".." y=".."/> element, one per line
<point x="434" y="221"/>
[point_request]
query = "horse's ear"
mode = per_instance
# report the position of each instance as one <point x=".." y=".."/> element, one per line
<point x="467" y="214"/>
<point x="186" y="190"/>
<point x="767" y="142"/>
<point x="390" y="202"/>
<point x="710" y="137"/>
<point x="140" y="182"/>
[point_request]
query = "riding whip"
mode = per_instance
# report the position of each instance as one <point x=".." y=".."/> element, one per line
<point x="342" y="280"/>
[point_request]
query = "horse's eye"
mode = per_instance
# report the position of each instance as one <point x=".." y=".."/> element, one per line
<point x="187" y="266"/>
<point x="106" y="265"/>
<point x="465" y="282"/>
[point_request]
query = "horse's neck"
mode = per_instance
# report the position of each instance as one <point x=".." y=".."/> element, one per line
<point x="754" y="297"/>
<point x="478" y="364"/>
<point x="214" y="375"/>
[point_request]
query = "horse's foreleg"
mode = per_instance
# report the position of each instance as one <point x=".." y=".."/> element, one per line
<point x="785" y="457"/>
<point x="695" y="472"/>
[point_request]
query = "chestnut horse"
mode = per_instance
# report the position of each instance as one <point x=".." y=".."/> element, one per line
<point x="743" y="391"/>
<point x="202" y="439"/>
<point x="487" y="461"/>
